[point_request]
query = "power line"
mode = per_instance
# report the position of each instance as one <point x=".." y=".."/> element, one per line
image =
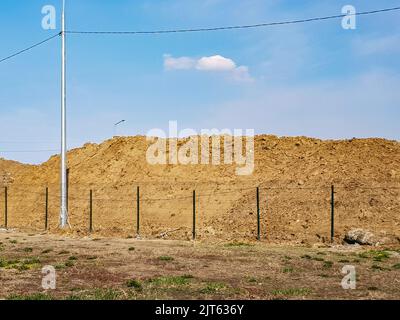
<point x="29" y="48"/>
<point x="260" y="25"/>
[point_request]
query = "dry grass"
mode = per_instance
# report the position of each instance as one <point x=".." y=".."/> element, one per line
<point x="188" y="270"/>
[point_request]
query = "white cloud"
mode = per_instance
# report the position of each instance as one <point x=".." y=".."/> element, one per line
<point x="242" y="74"/>
<point x="183" y="63"/>
<point x="216" y="63"/>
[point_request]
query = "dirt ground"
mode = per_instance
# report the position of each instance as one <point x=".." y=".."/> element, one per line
<point x="294" y="175"/>
<point x="115" y="269"/>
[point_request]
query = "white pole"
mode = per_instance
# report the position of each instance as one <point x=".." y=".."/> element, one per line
<point x="63" y="210"/>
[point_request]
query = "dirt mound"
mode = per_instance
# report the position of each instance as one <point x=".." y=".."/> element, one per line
<point x="294" y="174"/>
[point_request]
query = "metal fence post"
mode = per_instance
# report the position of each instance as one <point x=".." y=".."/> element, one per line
<point x="258" y="215"/>
<point x="67" y="189"/>
<point x="6" y="207"/>
<point x="194" y="215"/>
<point x="138" y="211"/>
<point x="91" y="212"/>
<point x="332" y="213"/>
<point x="46" y="210"/>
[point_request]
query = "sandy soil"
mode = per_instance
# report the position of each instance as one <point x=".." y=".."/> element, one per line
<point x="93" y="268"/>
<point x="294" y="175"/>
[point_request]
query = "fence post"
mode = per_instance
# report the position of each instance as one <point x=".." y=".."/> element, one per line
<point x="332" y="213"/>
<point x="46" y="210"/>
<point x="67" y="189"/>
<point x="91" y="212"/>
<point x="194" y="215"/>
<point x="258" y="215"/>
<point x="138" y="211"/>
<point x="5" y="207"/>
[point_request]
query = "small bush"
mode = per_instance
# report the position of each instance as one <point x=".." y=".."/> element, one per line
<point x="292" y="292"/>
<point x="288" y="270"/>
<point x="213" y="287"/>
<point x="135" y="284"/>
<point x="32" y="297"/>
<point x="171" y="280"/>
<point x="165" y="258"/>
<point x="396" y="266"/>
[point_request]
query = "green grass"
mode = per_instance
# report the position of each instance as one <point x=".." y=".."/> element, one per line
<point x="13" y="241"/>
<point x="165" y="258"/>
<point x="171" y="280"/>
<point x="28" y="250"/>
<point x="72" y="258"/>
<point x="288" y="270"/>
<point x="104" y="294"/>
<point x="69" y="264"/>
<point x="396" y="266"/>
<point x="135" y="284"/>
<point x="318" y="259"/>
<point x="213" y="287"/>
<point x="308" y="257"/>
<point x="377" y="268"/>
<point x="375" y="255"/>
<point x="47" y="251"/>
<point x="328" y="264"/>
<point x="293" y="292"/>
<point x="238" y="245"/>
<point x="20" y="265"/>
<point x="63" y="252"/>
<point x="31" y="297"/>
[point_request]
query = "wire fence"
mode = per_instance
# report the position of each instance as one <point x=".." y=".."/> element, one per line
<point x="262" y="211"/>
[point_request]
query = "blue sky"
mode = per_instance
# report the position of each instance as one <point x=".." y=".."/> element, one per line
<point x="313" y="79"/>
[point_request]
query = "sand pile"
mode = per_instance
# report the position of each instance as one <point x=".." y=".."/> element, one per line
<point x="294" y="175"/>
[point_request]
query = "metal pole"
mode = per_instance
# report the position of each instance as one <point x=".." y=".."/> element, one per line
<point x="332" y="213"/>
<point x="67" y="189"/>
<point x="63" y="209"/>
<point x="138" y="211"/>
<point x="258" y="215"/>
<point x="194" y="215"/>
<point x="91" y="212"/>
<point x="46" y="210"/>
<point x="6" y="207"/>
